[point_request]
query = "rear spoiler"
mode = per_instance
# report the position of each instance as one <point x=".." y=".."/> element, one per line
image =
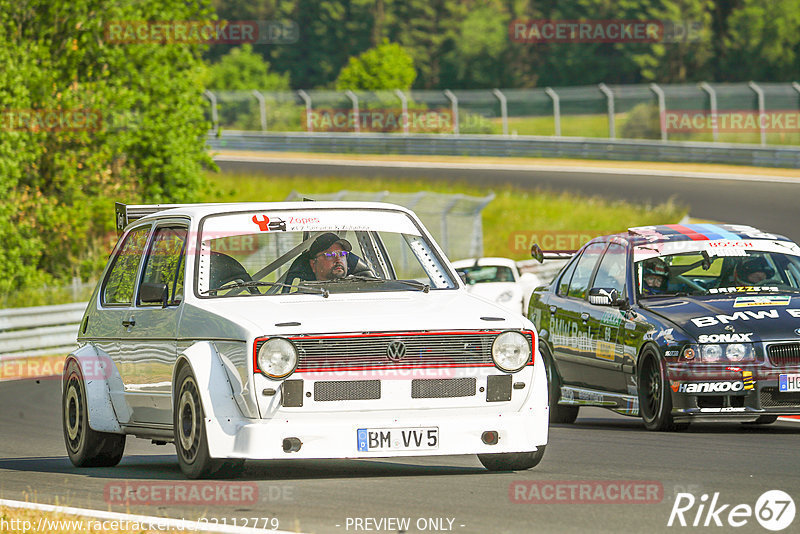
<point x="127" y="213"/>
<point x="540" y="255"/>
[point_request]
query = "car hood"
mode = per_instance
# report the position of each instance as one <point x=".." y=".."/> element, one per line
<point x="729" y="314"/>
<point x="366" y="312"/>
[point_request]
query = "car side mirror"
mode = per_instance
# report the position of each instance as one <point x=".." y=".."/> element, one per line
<point x="603" y="296"/>
<point x="154" y="293"/>
<point x="537" y="253"/>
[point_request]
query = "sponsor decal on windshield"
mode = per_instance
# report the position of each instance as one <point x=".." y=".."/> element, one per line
<point x="742" y="289"/>
<point x="711" y="320"/>
<point x="762" y="300"/>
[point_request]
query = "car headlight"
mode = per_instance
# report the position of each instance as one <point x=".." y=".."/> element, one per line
<point x="505" y="296"/>
<point x="277" y="358"/>
<point x="733" y="352"/>
<point x="510" y="351"/>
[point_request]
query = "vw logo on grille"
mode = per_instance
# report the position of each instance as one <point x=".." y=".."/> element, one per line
<point x="396" y="350"/>
<point x="797" y="331"/>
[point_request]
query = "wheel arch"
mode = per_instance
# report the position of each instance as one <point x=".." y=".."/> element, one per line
<point x="96" y="369"/>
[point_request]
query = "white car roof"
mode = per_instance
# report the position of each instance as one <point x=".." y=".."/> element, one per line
<point x="505" y="262"/>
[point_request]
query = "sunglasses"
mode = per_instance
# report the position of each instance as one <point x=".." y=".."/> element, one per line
<point x="330" y="255"/>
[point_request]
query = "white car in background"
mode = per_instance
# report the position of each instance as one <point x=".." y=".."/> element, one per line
<point x="498" y="280"/>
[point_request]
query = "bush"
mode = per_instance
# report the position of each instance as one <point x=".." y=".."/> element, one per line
<point x="643" y="122"/>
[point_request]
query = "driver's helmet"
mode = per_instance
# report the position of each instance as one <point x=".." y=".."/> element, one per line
<point x="747" y="272"/>
<point x="654" y="276"/>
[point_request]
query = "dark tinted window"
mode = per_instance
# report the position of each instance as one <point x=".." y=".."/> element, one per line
<point x="563" y="284"/>
<point x="118" y="288"/>
<point x="611" y="273"/>
<point x="579" y="284"/>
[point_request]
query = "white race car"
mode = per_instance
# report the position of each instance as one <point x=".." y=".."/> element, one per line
<point x="498" y="280"/>
<point x="296" y="330"/>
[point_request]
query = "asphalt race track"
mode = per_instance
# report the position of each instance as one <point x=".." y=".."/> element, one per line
<point x="454" y="493"/>
<point x="770" y="206"/>
<point x="739" y="462"/>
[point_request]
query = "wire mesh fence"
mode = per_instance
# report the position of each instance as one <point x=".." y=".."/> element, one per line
<point x="762" y="113"/>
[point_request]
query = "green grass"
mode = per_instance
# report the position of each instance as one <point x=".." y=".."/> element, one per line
<point x="513" y="212"/>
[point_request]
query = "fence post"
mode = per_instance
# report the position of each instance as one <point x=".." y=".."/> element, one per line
<point x="354" y="99"/>
<point x="476" y="243"/>
<point x="214" y="115"/>
<point x="445" y="212"/>
<point x="612" y="133"/>
<point x="712" y="99"/>
<point x="503" y="109"/>
<point x="761" y="111"/>
<point x="307" y="99"/>
<point x="262" y="106"/>
<point x="454" y="106"/>
<point x="556" y="109"/>
<point x="662" y="109"/>
<point x="404" y="105"/>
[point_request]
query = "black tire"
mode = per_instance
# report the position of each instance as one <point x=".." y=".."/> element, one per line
<point x="559" y="413"/>
<point x="85" y="447"/>
<point x="191" y="442"/>
<point x="763" y="420"/>
<point x="655" y="399"/>
<point x="512" y="461"/>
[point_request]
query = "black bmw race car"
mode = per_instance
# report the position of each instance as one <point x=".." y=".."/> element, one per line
<point x="674" y="323"/>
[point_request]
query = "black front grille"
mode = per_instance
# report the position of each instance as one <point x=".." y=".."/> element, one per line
<point x="784" y="354"/>
<point x="347" y="390"/>
<point x="372" y="351"/>
<point x="771" y="397"/>
<point x="445" y="388"/>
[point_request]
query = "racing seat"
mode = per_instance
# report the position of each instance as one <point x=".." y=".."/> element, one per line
<point x="301" y="270"/>
<point x="224" y="269"/>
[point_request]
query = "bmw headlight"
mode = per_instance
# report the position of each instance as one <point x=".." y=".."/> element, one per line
<point x="277" y="358"/>
<point x="733" y="352"/>
<point x="505" y="296"/>
<point x="510" y="351"/>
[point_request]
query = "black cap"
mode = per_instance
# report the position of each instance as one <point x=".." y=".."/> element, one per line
<point x="325" y="241"/>
<point x="757" y="263"/>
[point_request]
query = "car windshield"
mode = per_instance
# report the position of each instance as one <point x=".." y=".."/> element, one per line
<point x="315" y="252"/>
<point x="486" y="273"/>
<point x="698" y="273"/>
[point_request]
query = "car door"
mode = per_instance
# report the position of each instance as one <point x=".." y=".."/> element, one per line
<point x="569" y="326"/>
<point x="149" y="351"/>
<point x="603" y="356"/>
<point x="113" y="320"/>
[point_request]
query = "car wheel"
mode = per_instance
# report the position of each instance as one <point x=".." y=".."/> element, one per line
<point x="191" y="442"/>
<point x="512" y="461"/>
<point x="763" y="420"/>
<point x="85" y="447"/>
<point x="655" y="401"/>
<point x="559" y="413"/>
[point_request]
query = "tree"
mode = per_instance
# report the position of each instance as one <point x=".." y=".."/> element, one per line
<point x="142" y="138"/>
<point x="387" y="66"/>
<point x="242" y="69"/>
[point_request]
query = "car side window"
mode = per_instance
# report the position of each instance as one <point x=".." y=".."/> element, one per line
<point x="611" y="273"/>
<point x="563" y="284"/>
<point x="165" y="261"/>
<point x="579" y="284"/>
<point x="118" y="287"/>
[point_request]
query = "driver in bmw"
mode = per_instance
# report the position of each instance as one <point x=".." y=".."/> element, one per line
<point x="328" y="257"/>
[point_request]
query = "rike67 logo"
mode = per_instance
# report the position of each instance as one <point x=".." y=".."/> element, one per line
<point x="774" y="510"/>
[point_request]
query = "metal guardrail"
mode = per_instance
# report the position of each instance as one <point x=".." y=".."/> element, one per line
<point x="507" y="146"/>
<point x="39" y="330"/>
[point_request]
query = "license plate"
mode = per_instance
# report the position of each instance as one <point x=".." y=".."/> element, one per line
<point x="398" y="439"/>
<point x="789" y="383"/>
